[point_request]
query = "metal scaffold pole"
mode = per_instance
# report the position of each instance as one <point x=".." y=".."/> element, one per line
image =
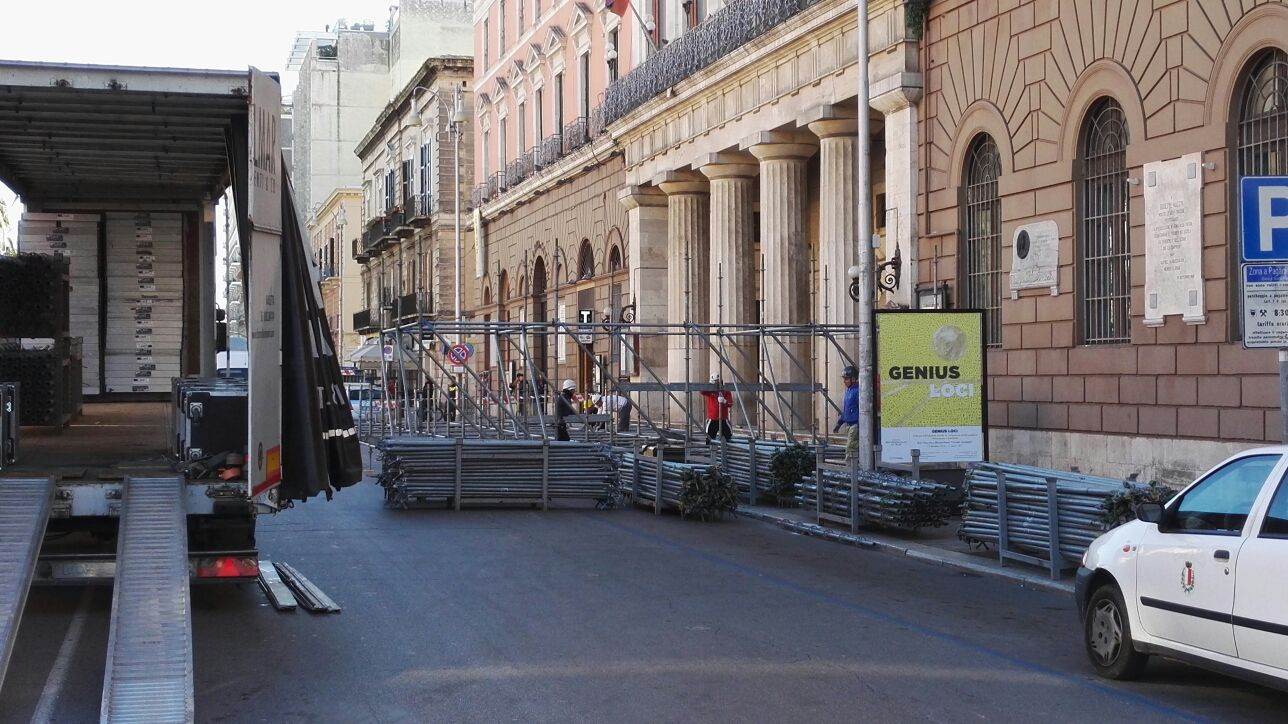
<point x="864" y="456"/>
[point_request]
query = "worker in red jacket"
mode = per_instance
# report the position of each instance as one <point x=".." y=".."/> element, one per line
<point x="718" y="403"/>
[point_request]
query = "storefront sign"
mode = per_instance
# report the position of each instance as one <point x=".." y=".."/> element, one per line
<point x="930" y="367"/>
<point x="1174" y="240"/>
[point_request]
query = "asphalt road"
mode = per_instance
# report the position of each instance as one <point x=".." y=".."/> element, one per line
<point x="611" y="616"/>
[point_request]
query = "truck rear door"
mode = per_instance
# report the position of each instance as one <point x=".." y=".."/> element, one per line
<point x="264" y="286"/>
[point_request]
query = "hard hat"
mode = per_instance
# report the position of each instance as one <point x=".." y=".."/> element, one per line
<point x="850" y="372"/>
<point x="569" y="385"/>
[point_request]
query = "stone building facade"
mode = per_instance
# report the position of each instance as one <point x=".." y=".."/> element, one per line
<point x="1055" y="112"/>
<point x="332" y="230"/>
<point x="410" y="179"/>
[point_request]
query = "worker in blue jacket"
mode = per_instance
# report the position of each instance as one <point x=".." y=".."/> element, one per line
<point x="850" y="411"/>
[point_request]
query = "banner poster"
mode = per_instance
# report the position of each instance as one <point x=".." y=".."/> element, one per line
<point x="931" y="386"/>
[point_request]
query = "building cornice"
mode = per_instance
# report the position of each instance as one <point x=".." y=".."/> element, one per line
<point x="401" y="103"/>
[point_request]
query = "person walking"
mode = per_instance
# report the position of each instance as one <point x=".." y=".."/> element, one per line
<point x="565" y="407"/>
<point x="718" y="403"/>
<point x="519" y="392"/>
<point x="453" y="390"/>
<point x="850" y="411"/>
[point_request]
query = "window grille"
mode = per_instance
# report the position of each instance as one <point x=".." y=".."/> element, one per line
<point x="1261" y="134"/>
<point x="1104" y="248"/>
<point x="982" y="239"/>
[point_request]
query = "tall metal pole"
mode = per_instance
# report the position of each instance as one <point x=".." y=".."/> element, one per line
<point x="864" y="457"/>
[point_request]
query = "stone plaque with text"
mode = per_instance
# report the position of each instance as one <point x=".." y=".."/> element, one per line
<point x="1174" y="240"/>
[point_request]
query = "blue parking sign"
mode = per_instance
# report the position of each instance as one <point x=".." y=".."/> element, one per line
<point x="1263" y="205"/>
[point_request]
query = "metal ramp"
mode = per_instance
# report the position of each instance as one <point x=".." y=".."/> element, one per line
<point x="149" y="652"/>
<point x="24" y="510"/>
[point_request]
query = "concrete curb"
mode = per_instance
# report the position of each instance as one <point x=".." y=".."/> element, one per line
<point x="917" y="551"/>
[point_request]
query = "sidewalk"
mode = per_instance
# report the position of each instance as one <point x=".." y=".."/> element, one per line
<point x="937" y="545"/>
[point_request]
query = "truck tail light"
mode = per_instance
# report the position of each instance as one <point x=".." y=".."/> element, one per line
<point x="228" y="567"/>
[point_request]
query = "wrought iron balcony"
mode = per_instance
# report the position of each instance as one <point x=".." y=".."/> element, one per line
<point x="371" y="233"/>
<point x="550" y="150"/>
<point x="478" y="196"/>
<point x="575" y="135"/>
<point x="401" y="219"/>
<point x="422" y="209"/>
<point x="360" y="249"/>
<point x="363" y="323"/>
<point x="408" y="306"/>
<point x="730" y="28"/>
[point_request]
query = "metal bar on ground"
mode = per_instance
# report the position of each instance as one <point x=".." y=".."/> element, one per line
<point x="310" y="596"/>
<point x="279" y="594"/>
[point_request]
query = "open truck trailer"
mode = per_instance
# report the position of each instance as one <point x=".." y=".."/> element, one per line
<point x="107" y="497"/>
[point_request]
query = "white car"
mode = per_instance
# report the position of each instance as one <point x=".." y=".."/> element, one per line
<point x="1202" y="579"/>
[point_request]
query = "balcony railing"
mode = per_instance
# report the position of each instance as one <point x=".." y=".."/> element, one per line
<point x="360" y="249"/>
<point x="393" y="220"/>
<point x="730" y="28"/>
<point x="407" y="306"/>
<point x="362" y="322"/>
<point x="575" y="135"/>
<point x="550" y="150"/>
<point x="371" y="233"/>
<point x="422" y="208"/>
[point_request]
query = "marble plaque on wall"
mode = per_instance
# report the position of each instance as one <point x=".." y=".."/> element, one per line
<point x="1035" y="257"/>
<point x="1174" y="240"/>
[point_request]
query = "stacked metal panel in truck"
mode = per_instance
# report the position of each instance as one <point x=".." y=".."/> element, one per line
<point x="144" y="301"/>
<point x="74" y="236"/>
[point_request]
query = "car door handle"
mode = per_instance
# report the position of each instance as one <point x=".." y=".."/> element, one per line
<point x="1222" y="555"/>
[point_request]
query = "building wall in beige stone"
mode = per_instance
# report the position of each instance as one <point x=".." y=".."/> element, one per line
<point x="1026" y="72"/>
<point x="552" y="225"/>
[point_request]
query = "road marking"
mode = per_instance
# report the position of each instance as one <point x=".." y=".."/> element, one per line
<point x="62" y="663"/>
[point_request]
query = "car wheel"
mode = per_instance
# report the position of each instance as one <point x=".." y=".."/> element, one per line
<point x="1107" y="632"/>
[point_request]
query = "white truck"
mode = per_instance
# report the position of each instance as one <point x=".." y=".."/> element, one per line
<point x="140" y="156"/>
<point x="1202" y="579"/>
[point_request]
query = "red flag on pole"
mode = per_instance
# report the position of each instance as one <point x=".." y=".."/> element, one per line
<point x="617" y="7"/>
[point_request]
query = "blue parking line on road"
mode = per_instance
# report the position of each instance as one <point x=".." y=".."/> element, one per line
<point x="871" y="613"/>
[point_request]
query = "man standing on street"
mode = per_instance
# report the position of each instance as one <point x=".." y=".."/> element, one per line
<point x="564" y="408"/>
<point x="718" y="403"/>
<point x="850" y="411"/>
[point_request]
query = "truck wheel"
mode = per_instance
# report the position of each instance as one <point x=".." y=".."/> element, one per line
<point x="1107" y="632"/>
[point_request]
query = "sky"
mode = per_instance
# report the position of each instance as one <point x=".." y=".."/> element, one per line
<point x="230" y="34"/>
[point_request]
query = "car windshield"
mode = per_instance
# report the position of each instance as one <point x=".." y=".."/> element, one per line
<point x="1221" y="502"/>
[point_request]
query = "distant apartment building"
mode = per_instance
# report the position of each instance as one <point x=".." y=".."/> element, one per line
<point x="407" y="247"/>
<point x="332" y="230"/>
<point x="343" y="85"/>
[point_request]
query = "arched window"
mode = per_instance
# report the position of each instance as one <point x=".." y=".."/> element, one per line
<point x="585" y="261"/>
<point x="1103" y="228"/>
<point x="615" y="259"/>
<point x="981" y="250"/>
<point x="1260" y="135"/>
<point x="503" y="287"/>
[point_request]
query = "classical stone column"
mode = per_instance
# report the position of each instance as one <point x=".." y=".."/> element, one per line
<point x="786" y="253"/>
<point x="837" y="251"/>
<point x="646" y="235"/>
<point x="687" y="297"/>
<point x="896" y="96"/>
<point x="732" y="273"/>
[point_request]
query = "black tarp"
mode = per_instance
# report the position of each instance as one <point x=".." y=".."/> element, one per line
<point x="320" y="452"/>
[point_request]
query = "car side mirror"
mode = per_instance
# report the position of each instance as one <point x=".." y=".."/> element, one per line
<point x="1150" y="512"/>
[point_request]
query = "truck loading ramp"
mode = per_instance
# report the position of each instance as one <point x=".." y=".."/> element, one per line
<point x="24" y="510"/>
<point x="148" y="676"/>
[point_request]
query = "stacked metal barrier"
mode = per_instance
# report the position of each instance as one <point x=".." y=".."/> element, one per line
<point x="1033" y="498"/>
<point x="885" y="499"/>
<point x="641" y="478"/>
<point x="428" y="470"/>
<point x="48" y="375"/>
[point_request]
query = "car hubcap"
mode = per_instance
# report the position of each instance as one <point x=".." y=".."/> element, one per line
<point x="1106" y="632"/>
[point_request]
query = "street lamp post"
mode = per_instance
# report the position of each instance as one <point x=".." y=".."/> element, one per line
<point x="864" y="456"/>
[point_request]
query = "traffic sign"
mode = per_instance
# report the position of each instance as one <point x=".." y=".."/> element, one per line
<point x="459" y="354"/>
<point x="1263" y="205"/>
<point x="1265" y="306"/>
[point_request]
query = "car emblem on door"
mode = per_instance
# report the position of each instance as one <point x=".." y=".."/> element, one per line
<point x="1187" y="577"/>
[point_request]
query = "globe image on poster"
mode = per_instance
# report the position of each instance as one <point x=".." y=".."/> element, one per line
<point x="949" y="342"/>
